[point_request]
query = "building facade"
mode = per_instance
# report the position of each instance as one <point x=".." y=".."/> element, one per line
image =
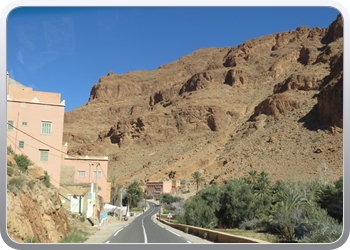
<point x="35" y="123"/>
<point x="35" y="126"/>
<point x="157" y="188"/>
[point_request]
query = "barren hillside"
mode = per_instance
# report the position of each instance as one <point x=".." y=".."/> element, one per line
<point x="274" y="103"/>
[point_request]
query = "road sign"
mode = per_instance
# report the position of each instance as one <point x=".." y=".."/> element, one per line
<point x="169" y="216"/>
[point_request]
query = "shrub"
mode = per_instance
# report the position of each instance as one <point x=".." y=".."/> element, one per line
<point x="76" y="236"/>
<point x="319" y="227"/>
<point x="16" y="184"/>
<point x="10" y="171"/>
<point x="10" y="151"/>
<point x="46" y="179"/>
<point x="22" y="162"/>
<point x="30" y="185"/>
<point x="205" y="235"/>
<point x="32" y="239"/>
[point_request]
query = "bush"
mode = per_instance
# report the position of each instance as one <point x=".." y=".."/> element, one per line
<point x="319" y="227"/>
<point x="22" y="162"/>
<point x="16" y="184"/>
<point x="32" y="239"/>
<point x="77" y="236"/>
<point x="46" y="179"/>
<point x="10" y="151"/>
<point x="10" y="171"/>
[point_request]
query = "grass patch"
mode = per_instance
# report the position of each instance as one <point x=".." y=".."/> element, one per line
<point x="32" y="239"/>
<point x="76" y="236"/>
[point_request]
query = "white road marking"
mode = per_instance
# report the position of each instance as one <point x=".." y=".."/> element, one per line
<point x="189" y="241"/>
<point x="144" y="231"/>
<point x="118" y="231"/>
<point x="107" y="242"/>
<point x="173" y="232"/>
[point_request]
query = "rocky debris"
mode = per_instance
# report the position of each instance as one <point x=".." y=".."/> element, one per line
<point x="265" y="104"/>
<point x="34" y="211"/>
<point x="37" y="171"/>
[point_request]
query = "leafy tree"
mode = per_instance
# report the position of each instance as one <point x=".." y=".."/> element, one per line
<point x="197" y="179"/>
<point x="198" y="213"/>
<point x="134" y="194"/>
<point x="211" y="196"/>
<point x="237" y="202"/>
<point x="168" y="198"/>
<point x="330" y="197"/>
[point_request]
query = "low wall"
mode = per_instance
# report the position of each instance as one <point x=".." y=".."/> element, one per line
<point x="211" y="235"/>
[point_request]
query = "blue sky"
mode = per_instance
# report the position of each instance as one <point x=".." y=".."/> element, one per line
<point x="67" y="49"/>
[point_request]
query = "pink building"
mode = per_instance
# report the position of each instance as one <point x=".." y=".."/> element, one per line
<point x="84" y="170"/>
<point x="156" y="188"/>
<point x="35" y="126"/>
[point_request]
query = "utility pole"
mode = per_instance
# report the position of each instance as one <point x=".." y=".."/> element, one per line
<point x="121" y="204"/>
<point x="96" y="193"/>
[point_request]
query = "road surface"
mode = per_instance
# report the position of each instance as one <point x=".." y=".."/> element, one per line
<point x="145" y="229"/>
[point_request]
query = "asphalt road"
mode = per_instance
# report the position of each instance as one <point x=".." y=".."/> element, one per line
<point x="143" y="229"/>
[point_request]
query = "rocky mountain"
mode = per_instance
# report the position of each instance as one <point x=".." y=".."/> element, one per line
<point x="274" y="103"/>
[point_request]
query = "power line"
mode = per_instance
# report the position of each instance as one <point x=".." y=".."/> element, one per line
<point x="74" y="157"/>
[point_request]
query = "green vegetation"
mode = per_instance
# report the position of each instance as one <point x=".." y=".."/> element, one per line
<point x="10" y="171"/>
<point x="16" y="184"/>
<point x="286" y="211"/>
<point x="32" y="239"/>
<point x="76" y="236"/>
<point x="46" y="180"/>
<point x="134" y="194"/>
<point x="22" y="162"/>
<point x="197" y="179"/>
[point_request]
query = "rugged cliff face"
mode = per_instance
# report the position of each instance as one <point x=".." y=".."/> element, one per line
<point x="273" y="103"/>
<point x="33" y="210"/>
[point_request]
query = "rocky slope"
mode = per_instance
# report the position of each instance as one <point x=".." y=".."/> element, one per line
<point x="273" y="103"/>
<point x="34" y="212"/>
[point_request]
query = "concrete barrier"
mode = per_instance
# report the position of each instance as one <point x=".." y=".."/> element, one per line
<point x="212" y="235"/>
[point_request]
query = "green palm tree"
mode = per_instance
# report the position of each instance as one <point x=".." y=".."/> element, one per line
<point x="252" y="176"/>
<point x="197" y="179"/>
<point x="262" y="186"/>
<point x="114" y="191"/>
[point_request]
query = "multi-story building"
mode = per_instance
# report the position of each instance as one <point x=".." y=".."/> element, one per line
<point x="157" y="188"/>
<point x="35" y="126"/>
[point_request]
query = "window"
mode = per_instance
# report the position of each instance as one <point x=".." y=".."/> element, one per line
<point x="44" y="155"/>
<point x="46" y="128"/>
<point x="10" y="125"/>
<point x="99" y="174"/>
<point x="21" y="144"/>
<point x="24" y="123"/>
<point x="81" y="173"/>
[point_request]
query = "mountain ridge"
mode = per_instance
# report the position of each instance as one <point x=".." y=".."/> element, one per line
<point x="272" y="103"/>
